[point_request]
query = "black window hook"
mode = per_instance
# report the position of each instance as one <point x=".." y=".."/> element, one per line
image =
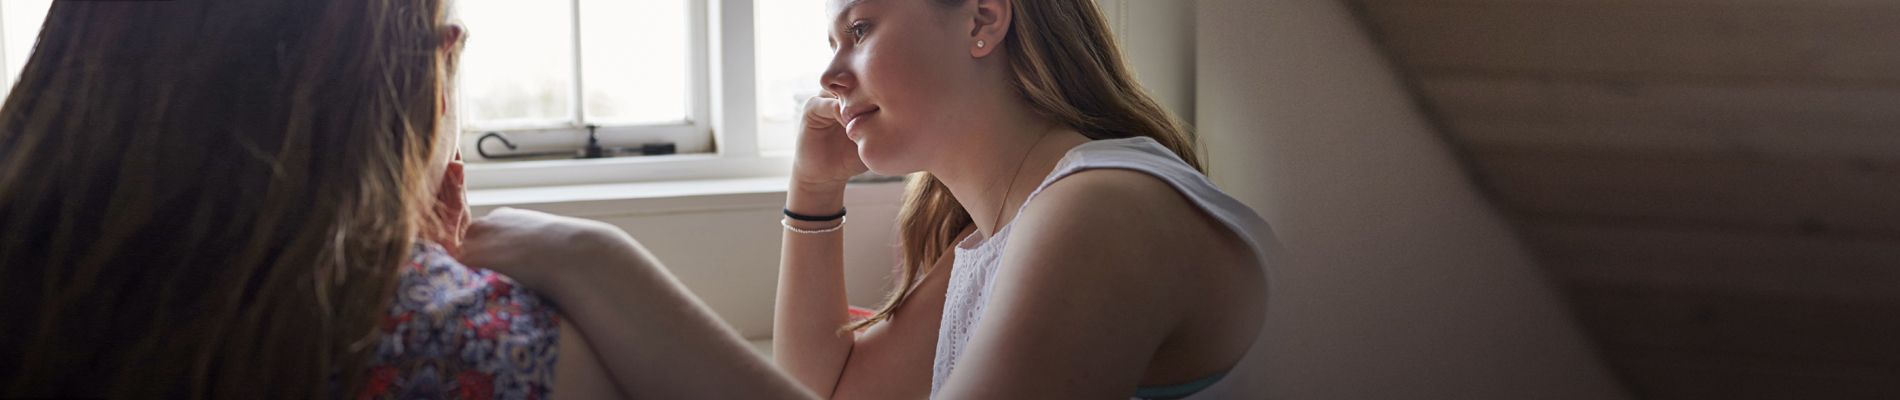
<point x="592" y="150"/>
<point x="483" y="150"/>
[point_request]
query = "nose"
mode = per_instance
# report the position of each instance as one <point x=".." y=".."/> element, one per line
<point x="838" y="77"/>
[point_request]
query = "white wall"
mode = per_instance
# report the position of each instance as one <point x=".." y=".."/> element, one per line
<point x="1404" y="282"/>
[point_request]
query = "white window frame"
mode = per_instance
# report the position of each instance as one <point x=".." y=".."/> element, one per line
<point x="6" y="62"/>
<point x="719" y="140"/>
<point x="723" y="116"/>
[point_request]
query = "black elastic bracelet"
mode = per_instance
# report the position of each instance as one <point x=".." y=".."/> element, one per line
<point x="808" y="218"/>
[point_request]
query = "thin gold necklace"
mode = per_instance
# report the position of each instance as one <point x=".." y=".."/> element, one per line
<point x="997" y="224"/>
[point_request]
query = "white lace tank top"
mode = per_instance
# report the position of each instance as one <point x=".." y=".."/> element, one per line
<point x="974" y="271"/>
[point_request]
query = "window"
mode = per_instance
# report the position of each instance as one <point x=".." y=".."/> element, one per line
<point x="19" y="28"/>
<point x="748" y="66"/>
<point x="705" y="75"/>
<point x="634" y="67"/>
<point x="792" y="54"/>
<point x="544" y="71"/>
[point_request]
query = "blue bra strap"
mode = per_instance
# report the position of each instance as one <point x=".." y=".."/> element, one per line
<point x="1177" y="391"/>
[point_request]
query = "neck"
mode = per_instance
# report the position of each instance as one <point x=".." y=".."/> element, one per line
<point x="995" y="184"/>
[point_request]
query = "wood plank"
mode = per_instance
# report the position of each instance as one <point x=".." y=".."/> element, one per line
<point x="1881" y="4"/>
<point x="1860" y="269"/>
<point x="1748" y="41"/>
<point x="1819" y="196"/>
<point x="1741" y="120"/>
<point x="1741" y="324"/>
<point x="1675" y="375"/>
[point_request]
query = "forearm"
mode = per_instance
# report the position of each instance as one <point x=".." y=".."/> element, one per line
<point x="656" y="339"/>
<point x="578" y="373"/>
<point x="811" y="308"/>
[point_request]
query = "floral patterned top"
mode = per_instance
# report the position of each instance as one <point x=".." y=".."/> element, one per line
<point x="453" y="332"/>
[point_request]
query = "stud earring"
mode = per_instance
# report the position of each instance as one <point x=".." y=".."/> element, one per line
<point x="979" y="44"/>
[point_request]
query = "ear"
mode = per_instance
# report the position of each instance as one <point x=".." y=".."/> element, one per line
<point x="992" y="26"/>
<point x="451" y="39"/>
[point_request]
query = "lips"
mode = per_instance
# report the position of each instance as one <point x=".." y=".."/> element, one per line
<point x="852" y="114"/>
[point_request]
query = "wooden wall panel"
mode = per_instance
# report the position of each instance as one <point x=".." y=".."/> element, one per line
<point x="1715" y="183"/>
<point x="1685" y="343"/>
<point x="1696" y="41"/>
<point x="1877" y="4"/>
<point x="1661" y="374"/>
<point x="1737" y="120"/>
<point x="1768" y="263"/>
<point x="1847" y="197"/>
<point x="1847" y="332"/>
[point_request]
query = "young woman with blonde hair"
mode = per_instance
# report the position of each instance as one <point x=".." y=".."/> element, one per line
<point x="1059" y="237"/>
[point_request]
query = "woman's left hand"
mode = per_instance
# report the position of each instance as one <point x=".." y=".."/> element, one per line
<point x="536" y="248"/>
<point x="451" y="209"/>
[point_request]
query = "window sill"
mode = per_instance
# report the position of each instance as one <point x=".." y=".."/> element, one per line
<point x="619" y="170"/>
<point x="665" y="197"/>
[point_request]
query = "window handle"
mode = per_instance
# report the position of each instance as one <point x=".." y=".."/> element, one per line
<point x="593" y="149"/>
<point x="483" y="150"/>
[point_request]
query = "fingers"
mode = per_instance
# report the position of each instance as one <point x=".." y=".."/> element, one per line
<point x="822" y="112"/>
<point x="458" y="204"/>
<point x="451" y="210"/>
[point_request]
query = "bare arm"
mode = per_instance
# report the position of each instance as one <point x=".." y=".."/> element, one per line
<point x="658" y="340"/>
<point x="810" y="311"/>
<point x="890" y="360"/>
<point x="811" y="306"/>
<point x="578" y="373"/>
<point x="655" y="339"/>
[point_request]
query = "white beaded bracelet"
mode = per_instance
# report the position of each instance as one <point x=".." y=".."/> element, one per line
<point x="788" y="225"/>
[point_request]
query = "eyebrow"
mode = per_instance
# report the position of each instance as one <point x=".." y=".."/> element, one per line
<point x="850" y="5"/>
<point x="842" y="13"/>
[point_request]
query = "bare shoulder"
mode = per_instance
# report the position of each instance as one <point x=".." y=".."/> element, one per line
<point x="1111" y="232"/>
<point x="1134" y="223"/>
<point x="1114" y="207"/>
<point x="1106" y="274"/>
<point x="1112" y="181"/>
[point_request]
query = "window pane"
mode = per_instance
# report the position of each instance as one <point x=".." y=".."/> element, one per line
<point x="22" y="22"/>
<point x="518" y="68"/>
<point x="634" y="60"/>
<point x="792" y="53"/>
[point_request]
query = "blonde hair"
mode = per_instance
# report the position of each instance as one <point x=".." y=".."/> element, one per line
<point x="210" y="199"/>
<point x="1066" y="65"/>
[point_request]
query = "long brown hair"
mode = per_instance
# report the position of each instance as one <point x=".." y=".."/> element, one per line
<point x="210" y="198"/>
<point x="1065" y="63"/>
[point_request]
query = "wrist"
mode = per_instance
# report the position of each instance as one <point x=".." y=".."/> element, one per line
<point x="815" y="218"/>
<point x="815" y="198"/>
<point x="819" y="184"/>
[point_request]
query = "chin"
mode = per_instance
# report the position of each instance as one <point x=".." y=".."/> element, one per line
<point x="884" y="159"/>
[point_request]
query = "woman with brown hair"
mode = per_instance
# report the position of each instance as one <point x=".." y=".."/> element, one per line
<point x="1059" y="237"/>
<point x="219" y="199"/>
